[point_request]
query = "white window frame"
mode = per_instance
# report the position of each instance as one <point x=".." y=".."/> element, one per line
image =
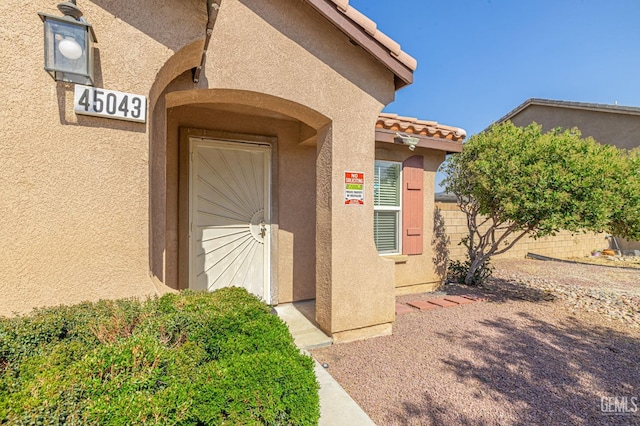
<point x="397" y="209"/>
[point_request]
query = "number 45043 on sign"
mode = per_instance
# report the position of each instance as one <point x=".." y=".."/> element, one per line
<point x="109" y="104"/>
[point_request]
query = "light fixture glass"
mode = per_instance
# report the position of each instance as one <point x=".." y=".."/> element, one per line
<point x="68" y="49"/>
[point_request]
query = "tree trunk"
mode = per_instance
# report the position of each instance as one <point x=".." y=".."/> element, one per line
<point x="476" y="262"/>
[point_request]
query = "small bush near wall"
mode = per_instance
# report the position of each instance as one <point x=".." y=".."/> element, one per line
<point x="189" y="359"/>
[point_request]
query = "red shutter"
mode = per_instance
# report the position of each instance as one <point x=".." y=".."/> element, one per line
<point x="412" y="204"/>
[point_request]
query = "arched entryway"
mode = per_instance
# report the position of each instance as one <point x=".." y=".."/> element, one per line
<point x="240" y="167"/>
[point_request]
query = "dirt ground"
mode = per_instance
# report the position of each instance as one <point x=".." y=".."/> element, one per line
<point x="509" y="360"/>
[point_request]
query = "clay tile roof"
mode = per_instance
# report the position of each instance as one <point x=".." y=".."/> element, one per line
<point x="371" y="28"/>
<point x="411" y="125"/>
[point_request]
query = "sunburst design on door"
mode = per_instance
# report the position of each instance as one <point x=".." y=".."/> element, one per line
<point x="229" y="217"/>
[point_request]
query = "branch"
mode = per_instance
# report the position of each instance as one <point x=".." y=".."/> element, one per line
<point x="509" y="230"/>
<point x="511" y="244"/>
<point x="487" y="220"/>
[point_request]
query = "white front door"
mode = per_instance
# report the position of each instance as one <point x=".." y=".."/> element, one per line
<point x="229" y="209"/>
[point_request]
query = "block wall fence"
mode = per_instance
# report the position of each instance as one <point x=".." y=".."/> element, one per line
<point x="451" y="227"/>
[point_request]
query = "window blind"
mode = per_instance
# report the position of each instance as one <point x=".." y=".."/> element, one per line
<point x="387" y="184"/>
<point x="385" y="230"/>
<point x="387" y="197"/>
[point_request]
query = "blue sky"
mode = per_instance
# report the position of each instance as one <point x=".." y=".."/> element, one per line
<point x="479" y="59"/>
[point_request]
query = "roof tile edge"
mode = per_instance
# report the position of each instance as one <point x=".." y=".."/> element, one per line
<point x="411" y="125"/>
<point x="371" y="28"/>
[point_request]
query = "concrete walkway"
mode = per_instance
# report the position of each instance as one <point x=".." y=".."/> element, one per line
<point x="337" y="408"/>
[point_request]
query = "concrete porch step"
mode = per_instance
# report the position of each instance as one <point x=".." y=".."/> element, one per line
<point x="305" y="333"/>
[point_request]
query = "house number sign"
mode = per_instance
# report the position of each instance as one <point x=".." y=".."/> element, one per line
<point x="109" y="104"/>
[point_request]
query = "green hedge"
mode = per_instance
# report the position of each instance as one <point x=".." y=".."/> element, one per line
<point x="191" y="359"/>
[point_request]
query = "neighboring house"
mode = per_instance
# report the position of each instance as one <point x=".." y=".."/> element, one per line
<point x="614" y="125"/>
<point x="608" y="124"/>
<point x="261" y="159"/>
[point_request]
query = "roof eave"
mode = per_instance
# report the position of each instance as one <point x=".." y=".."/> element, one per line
<point x="403" y="74"/>
<point x="438" y="144"/>
<point x="569" y="105"/>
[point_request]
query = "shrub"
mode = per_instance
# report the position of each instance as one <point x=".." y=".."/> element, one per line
<point x="191" y="359"/>
<point x="457" y="272"/>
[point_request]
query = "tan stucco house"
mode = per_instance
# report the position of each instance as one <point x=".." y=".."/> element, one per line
<point x="615" y="125"/>
<point x="224" y="142"/>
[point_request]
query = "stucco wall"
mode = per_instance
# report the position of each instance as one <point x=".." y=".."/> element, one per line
<point x="89" y="203"/>
<point x="74" y="189"/>
<point x="618" y="129"/>
<point x="452" y="227"/>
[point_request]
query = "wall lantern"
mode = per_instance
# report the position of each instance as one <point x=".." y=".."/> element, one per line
<point x="68" y="45"/>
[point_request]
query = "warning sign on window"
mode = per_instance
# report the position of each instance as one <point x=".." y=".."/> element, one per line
<point x="354" y="188"/>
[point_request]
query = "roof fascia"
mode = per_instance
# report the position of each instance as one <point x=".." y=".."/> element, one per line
<point x="450" y="147"/>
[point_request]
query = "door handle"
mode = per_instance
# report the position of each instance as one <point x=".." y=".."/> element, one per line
<point x="263" y="228"/>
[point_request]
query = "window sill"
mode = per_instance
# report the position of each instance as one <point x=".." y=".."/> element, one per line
<point x="397" y="258"/>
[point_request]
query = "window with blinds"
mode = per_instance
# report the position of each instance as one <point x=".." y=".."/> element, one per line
<point x="386" y="215"/>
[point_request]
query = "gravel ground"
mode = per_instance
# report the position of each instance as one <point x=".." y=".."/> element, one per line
<point x="592" y="276"/>
<point x="613" y="293"/>
<point x="525" y="356"/>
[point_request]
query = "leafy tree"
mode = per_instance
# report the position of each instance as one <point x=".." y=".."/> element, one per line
<point x="626" y="218"/>
<point x="512" y="182"/>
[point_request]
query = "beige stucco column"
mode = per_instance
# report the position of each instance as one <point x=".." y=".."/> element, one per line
<point x="354" y="286"/>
